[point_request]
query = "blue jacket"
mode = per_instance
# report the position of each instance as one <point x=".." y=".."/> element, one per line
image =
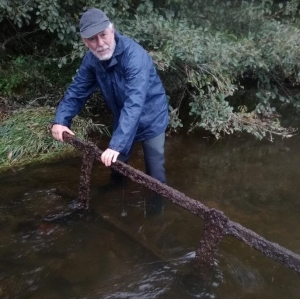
<point x="131" y="88"/>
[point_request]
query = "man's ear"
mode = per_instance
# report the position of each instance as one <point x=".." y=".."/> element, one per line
<point x="84" y="41"/>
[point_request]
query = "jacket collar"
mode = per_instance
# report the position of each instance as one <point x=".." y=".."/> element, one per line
<point x="120" y="47"/>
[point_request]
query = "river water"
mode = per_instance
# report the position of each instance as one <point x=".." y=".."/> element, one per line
<point x="133" y="245"/>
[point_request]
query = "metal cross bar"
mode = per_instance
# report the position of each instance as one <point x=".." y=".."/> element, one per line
<point x="216" y="224"/>
<point x="85" y="177"/>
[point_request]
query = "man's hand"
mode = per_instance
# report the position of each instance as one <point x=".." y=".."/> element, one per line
<point x="57" y="131"/>
<point x="109" y="156"/>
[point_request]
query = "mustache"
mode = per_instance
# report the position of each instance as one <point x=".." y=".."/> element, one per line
<point x="106" y="47"/>
<point x="99" y="49"/>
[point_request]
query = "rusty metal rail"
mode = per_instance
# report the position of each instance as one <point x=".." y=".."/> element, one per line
<point x="216" y="224"/>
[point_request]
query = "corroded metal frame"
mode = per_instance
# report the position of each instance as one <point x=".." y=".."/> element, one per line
<point x="216" y="224"/>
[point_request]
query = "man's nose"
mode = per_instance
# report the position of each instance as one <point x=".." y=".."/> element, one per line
<point x="100" y="42"/>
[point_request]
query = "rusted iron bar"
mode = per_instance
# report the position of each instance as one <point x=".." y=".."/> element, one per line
<point x="85" y="177"/>
<point x="138" y="176"/>
<point x="216" y="224"/>
<point x="90" y="152"/>
<point x="270" y="249"/>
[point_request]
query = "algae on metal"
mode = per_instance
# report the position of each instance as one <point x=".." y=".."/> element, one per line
<point x="216" y="224"/>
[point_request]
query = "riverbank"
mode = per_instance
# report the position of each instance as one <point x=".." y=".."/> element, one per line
<point x="25" y="137"/>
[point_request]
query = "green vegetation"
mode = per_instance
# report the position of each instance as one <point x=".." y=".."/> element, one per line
<point x="207" y="52"/>
<point x="24" y="136"/>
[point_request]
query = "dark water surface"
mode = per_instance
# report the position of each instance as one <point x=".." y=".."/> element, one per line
<point x="131" y="245"/>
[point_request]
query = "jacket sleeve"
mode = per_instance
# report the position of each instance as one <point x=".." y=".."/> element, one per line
<point x="77" y="94"/>
<point x="137" y="69"/>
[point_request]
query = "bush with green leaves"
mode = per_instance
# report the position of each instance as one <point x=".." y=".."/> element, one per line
<point x="204" y="50"/>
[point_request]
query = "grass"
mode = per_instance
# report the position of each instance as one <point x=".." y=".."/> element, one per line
<point x="24" y="136"/>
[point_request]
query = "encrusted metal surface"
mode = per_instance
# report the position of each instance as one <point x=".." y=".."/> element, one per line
<point x="216" y="224"/>
<point x="270" y="249"/>
<point x="85" y="178"/>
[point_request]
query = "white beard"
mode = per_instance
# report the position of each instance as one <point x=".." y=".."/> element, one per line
<point x="105" y="56"/>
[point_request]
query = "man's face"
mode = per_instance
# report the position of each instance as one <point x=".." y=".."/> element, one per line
<point x="103" y="44"/>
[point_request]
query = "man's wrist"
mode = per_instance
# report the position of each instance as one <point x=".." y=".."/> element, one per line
<point x="50" y="125"/>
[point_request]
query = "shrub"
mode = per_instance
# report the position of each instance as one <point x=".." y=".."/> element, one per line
<point x="213" y="47"/>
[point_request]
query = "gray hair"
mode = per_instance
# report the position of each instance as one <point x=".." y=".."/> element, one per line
<point x="110" y="26"/>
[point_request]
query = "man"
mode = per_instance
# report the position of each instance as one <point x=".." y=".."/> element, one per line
<point x="133" y="91"/>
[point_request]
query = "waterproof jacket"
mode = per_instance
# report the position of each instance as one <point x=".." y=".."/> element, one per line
<point x="131" y="88"/>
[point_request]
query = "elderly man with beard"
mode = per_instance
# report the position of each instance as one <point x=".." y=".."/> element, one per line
<point x="130" y="86"/>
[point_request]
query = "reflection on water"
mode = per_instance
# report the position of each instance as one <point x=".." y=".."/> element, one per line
<point x="133" y="244"/>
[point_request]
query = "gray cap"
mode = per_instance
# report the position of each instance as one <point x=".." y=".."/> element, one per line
<point x="92" y="22"/>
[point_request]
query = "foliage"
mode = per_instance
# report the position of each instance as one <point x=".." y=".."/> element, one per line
<point x="213" y="62"/>
<point x="9" y="84"/>
<point x="25" y="81"/>
<point x="213" y="47"/>
<point x="25" y="136"/>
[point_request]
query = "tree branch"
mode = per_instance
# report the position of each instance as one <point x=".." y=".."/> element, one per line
<point x="16" y="36"/>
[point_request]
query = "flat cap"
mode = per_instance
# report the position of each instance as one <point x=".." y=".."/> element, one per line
<point x="92" y="22"/>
